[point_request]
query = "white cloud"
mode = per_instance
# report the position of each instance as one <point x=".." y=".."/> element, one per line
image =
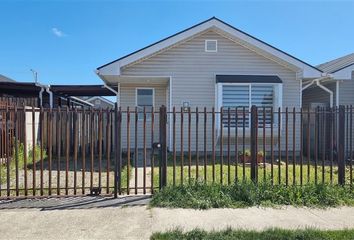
<point x="58" y="32"/>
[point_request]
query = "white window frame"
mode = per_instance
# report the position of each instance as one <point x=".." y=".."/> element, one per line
<point x="206" y="44"/>
<point x="148" y="117"/>
<point x="278" y="97"/>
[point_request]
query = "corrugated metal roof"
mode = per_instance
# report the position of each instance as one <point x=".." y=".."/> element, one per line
<point x="5" y="79"/>
<point x="337" y="64"/>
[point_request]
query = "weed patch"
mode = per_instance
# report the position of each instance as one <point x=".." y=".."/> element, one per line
<point x="19" y="156"/>
<point x="198" y="195"/>
<point x="274" y="234"/>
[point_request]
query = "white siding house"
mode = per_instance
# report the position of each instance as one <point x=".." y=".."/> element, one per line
<point x="212" y="65"/>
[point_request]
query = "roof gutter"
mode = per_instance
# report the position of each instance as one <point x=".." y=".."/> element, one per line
<point x="317" y="81"/>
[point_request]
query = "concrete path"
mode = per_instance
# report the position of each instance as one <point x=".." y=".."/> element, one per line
<point x="140" y="182"/>
<point x="140" y="173"/>
<point x="102" y="218"/>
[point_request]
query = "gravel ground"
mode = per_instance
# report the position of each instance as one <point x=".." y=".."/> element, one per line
<point x="62" y="178"/>
<point x="71" y="178"/>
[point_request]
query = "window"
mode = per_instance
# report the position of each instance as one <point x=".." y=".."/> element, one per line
<point x="211" y="45"/>
<point x="236" y="97"/>
<point x="240" y="97"/>
<point x="144" y="99"/>
<point x="263" y="98"/>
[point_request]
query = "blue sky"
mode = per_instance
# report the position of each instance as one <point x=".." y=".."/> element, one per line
<point x="66" y="40"/>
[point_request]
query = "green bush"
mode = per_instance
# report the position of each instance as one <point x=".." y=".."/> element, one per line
<point x="21" y="154"/>
<point x="37" y="154"/>
<point x="245" y="194"/>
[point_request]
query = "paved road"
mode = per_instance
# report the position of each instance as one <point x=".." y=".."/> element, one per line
<point x="130" y="218"/>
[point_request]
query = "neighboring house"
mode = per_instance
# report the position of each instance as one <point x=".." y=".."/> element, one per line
<point x="333" y="90"/>
<point x="99" y="102"/>
<point x="339" y="87"/>
<point x="211" y="64"/>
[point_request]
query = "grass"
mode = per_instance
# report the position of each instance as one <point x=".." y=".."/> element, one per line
<point x="124" y="177"/>
<point x="308" y="174"/>
<point x="199" y="195"/>
<point x="275" y="234"/>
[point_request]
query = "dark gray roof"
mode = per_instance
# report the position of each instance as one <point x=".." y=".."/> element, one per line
<point x="28" y="88"/>
<point x="337" y="64"/>
<point x="248" y="79"/>
<point x="5" y="79"/>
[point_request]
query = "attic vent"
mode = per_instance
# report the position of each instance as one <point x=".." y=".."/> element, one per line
<point x="211" y="45"/>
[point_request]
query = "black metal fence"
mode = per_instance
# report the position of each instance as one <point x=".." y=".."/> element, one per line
<point x="71" y="151"/>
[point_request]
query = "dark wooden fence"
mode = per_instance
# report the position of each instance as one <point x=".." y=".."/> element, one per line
<point x="68" y="151"/>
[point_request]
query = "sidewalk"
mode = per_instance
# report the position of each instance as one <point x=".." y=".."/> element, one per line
<point x="129" y="218"/>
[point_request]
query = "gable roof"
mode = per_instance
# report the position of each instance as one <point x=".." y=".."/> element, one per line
<point x="337" y="64"/>
<point x="100" y="98"/>
<point x="113" y="68"/>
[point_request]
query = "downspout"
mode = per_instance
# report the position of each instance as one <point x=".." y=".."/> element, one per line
<point x="47" y="89"/>
<point x="114" y="91"/>
<point x="327" y="90"/>
<point x="297" y="78"/>
<point x="41" y="96"/>
<point x="337" y="94"/>
<point x="318" y="83"/>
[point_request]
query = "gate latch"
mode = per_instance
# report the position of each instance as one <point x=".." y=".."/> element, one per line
<point x="156" y="145"/>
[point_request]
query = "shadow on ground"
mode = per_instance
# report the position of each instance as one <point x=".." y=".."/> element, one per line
<point x="82" y="202"/>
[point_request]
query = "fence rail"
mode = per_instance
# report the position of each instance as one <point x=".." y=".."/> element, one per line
<point x="68" y="151"/>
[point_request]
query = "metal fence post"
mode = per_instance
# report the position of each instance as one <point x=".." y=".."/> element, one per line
<point x="163" y="142"/>
<point x="118" y="152"/>
<point x="254" y="136"/>
<point x="341" y="144"/>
